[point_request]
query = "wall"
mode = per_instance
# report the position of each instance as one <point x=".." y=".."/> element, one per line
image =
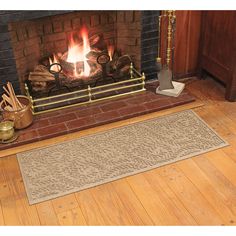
<point x="188" y="25"/>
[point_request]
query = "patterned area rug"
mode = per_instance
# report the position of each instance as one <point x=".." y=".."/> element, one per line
<point x="91" y="160"/>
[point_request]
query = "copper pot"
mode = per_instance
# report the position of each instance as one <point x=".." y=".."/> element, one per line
<point x="22" y="118"/>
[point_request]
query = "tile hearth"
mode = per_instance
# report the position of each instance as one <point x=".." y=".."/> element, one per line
<point x="74" y="119"/>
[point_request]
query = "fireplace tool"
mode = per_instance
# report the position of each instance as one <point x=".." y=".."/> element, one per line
<point x="165" y="76"/>
<point x="56" y="73"/>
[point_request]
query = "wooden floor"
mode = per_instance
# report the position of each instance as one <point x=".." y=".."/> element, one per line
<point x="196" y="191"/>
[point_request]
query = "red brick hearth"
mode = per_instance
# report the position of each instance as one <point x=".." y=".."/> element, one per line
<point x="74" y="119"/>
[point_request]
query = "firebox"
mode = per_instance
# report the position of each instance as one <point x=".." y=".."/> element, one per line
<point x="51" y="53"/>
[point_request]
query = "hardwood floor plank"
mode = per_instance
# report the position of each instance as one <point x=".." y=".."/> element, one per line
<point x="131" y="203"/>
<point x="46" y="213"/>
<point x="230" y="150"/>
<point x="220" y="182"/>
<point x="208" y="115"/>
<point x="169" y="198"/>
<point x="4" y="188"/>
<point x="89" y="208"/>
<point x="65" y="203"/>
<point x="1" y="215"/>
<point x="156" y="209"/>
<point x="223" y="163"/>
<point x="9" y="211"/>
<point x="15" y="206"/>
<point x="71" y="217"/>
<point x="111" y="208"/>
<point x="206" y="187"/>
<point x="192" y="199"/>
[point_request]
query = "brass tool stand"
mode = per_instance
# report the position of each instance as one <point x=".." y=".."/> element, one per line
<point x="166" y="85"/>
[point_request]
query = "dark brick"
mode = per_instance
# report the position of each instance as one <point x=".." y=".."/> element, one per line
<point x="129" y="16"/>
<point x="7" y="62"/>
<point x="95" y="20"/>
<point x="76" y="23"/>
<point x="62" y="118"/>
<point x="21" y="34"/>
<point x="10" y="77"/>
<point x="112" y="18"/>
<point x="150" y="34"/>
<point x="4" y="36"/>
<point x="5" y="54"/>
<point x="85" y="21"/>
<point x="28" y="135"/>
<point x="32" y="33"/>
<point x="107" y="116"/>
<point x="67" y="25"/>
<point x="5" y="45"/>
<point x="127" y="41"/>
<point x="47" y="115"/>
<point x="137" y="100"/>
<point x="128" y="112"/>
<point x="57" y="26"/>
<point x="158" y="105"/>
<point x="88" y="111"/>
<point x="51" y="131"/>
<point x="104" y="18"/>
<point x="3" y="28"/>
<point x="7" y="70"/>
<point x="54" y="37"/>
<point x="47" y="28"/>
<point x="82" y="123"/>
<point x="113" y="106"/>
<point x="120" y="16"/>
<point x="149" y="65"/>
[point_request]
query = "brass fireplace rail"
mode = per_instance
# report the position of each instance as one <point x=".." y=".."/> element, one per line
<point x="89" y="93"/>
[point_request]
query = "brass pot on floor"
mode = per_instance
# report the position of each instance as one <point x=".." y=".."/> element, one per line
<point x="22" y="118"/>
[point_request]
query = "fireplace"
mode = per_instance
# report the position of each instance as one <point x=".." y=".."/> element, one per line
<point x="29" y="38"/>
<point x="33" y="38"/>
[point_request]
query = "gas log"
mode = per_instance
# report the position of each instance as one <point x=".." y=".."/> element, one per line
<point x="117" y="66"/>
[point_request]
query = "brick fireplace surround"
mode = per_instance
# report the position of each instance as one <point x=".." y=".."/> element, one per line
<point x="20" y="36"/>
<point x="27" y="36"/>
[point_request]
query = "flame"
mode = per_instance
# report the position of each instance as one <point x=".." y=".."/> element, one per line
<point x="54" y="60"/>
<point x="77" y="53"/>
<point x="110" y="51"/>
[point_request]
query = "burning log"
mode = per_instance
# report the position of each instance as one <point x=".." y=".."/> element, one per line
<point x="40" y="74"/>
<point x="97" y="42"/>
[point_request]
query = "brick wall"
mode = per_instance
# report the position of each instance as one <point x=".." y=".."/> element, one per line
<point x="149" y="43"/>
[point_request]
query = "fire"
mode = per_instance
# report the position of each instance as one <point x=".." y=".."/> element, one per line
<point x="54" y="60"/>
<point x="111" y="51"/>
<point x="77" y="53"/>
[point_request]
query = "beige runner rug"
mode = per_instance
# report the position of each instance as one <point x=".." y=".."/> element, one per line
<point x="99" y="158"/>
